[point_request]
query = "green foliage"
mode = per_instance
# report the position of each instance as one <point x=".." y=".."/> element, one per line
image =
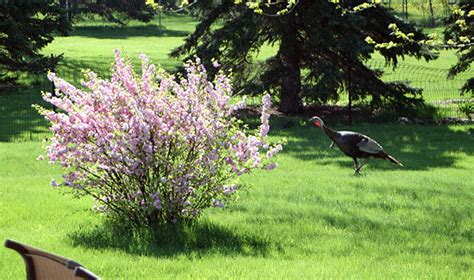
<point x="422" y="112"/>
<point x="460" y="35"/>
<point x="94" y="41"/>
<point x="322" y="48"/>
<point x="467" y="108"/>
<point x="26" y="28"/>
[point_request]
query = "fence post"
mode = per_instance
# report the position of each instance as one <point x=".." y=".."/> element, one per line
<point x="67" y="12"/>
<point x="403" y="7"/>
<point x="350" y="96"/>
<point x="406" y="9"/>
<point x="432" y="18"/>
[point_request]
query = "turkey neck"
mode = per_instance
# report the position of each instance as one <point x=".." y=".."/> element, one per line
<point x="331" y="133"/>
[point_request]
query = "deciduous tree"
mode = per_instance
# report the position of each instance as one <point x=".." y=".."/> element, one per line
<point x="460" y="34"/>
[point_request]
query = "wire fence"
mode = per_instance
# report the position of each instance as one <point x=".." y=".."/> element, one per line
<point x="19" y="121"/>
<point x="438" y="90"/>
<point x="423" y="12"/>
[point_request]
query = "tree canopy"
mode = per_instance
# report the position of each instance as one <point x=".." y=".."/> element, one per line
<point x="26" y="26"/>
<point x="460" y="34"/>
<point x="322" y="49"/>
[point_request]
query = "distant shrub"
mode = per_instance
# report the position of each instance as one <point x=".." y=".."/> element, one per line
<point x="154" y="149"/>
<point x="467" y="108"/>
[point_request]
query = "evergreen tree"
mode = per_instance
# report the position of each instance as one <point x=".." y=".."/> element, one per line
<point x="26" y="26"/>
<point x="460" y="34"/>
<point x="322" y="49"/>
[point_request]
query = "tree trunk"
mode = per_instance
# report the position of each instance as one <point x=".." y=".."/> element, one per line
<point x="432" y="19"/>
<point x="290" y="100"/>
<point x="406" y="9"/>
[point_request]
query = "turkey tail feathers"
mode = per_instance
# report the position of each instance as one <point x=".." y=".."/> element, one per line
<point x="384" y="155"/>
<point x="392" y="159"/>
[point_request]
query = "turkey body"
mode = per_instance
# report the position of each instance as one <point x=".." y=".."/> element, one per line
<point x="348" y="142"/>
<point x="355" y="145"/>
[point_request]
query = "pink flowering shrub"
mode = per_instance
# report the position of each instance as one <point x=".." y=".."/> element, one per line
<point x="153" y="148"/>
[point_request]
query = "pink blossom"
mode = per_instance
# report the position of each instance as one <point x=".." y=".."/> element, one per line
<point x="275" y="150"/>
<point x="266" y="106"/>
<point x="271" y="166"/>
<point x="157" y="204"/>
<point x="54" y="183"/>
<point x="154" y="141"/>
<point x="217" y="203"/>
<point x="229" y="190"/>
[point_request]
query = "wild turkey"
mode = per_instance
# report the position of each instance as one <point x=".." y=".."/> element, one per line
<point x="355" y="145"/>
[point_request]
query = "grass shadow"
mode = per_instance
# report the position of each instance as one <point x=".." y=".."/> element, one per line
<point x="70" y="69"/>
<point x="123" y="32"/>
<point x="448" y="221"/>
<point x="202" y="237"/>
<point x="419" y="147"/>
<point x="19" y="121"/>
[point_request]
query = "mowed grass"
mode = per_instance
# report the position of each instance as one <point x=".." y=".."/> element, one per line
<point x="19" y="121"/>
<point x="91" y="46"/>
<point x="92" y="43"/>
<point x="430" y="76"/>
<point x="309" y="218"/>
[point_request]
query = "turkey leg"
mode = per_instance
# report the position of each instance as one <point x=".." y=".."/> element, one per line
<point x="360" y="166"/>
<point x="356" y="166"/>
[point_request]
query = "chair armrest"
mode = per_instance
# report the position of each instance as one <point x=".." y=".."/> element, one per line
<point x="80" y="271"/>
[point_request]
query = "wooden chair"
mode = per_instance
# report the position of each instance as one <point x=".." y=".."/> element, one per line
<point x="41" y="265"/>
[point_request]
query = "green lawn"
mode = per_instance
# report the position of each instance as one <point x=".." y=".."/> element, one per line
<point x="430" y="76"/>
<point x="309" y="218"/>
<point x="91" y="45"/>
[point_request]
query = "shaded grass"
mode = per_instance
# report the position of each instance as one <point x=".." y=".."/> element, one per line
<point x="19" y="121"/>
<point x="410" y="144"/>
<point x="200" y="238"/>
<point x="91" y="45"/>
<point x="308" y="218"/>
